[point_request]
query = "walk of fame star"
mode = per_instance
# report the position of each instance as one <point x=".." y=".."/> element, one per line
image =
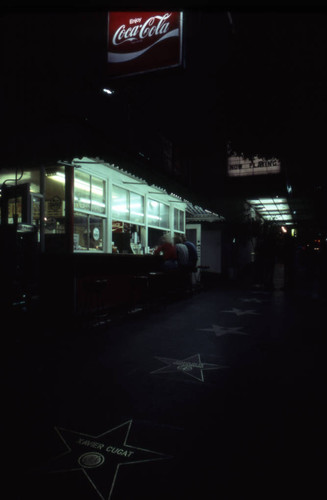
<point x="191" y="366"/>
<point x="254" y="299"/>
<point x="224" y="330"/>
<point x="100" y="457"/>
<point x="241" y="312"/>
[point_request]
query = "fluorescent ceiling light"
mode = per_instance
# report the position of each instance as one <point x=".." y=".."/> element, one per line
<point x="120" y="208"/>
<point x="156" y="217"/>
<point x="137" y="213"/>
<point x="273" y="206"/>
<point x="82" y="185"/>
<point x="273" y="209"/>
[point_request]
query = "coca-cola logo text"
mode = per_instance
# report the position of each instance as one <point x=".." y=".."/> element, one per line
<point x="143" y="41"/>
<point x="154" y="26"/>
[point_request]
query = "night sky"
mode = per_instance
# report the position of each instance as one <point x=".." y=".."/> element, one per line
<point x="282" y="66"/>
<point x="254" y="78"/>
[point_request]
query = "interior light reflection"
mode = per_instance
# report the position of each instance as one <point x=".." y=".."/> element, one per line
<point x="83" y="186"/>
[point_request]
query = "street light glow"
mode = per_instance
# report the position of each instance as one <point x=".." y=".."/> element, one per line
<point x="108" y="91"/>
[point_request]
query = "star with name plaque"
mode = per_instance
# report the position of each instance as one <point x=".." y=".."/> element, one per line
<point x="191" y="366"/>
<point x="100" y="457"/>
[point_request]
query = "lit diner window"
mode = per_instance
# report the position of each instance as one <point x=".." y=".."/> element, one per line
<point x="54" y="222"/>
<point x="120" y="203"/>
<point x="89" y="193"/>
<point x="158" y="214"/>
<point x="89" y="212"/>
<point x="128" y="231"/>
<point x="137" y="208"/>
<point x="178" y="220"/>
<point x="82" y="191"/>
<point x="98" y="195"/>
<point x="88" y="232"/>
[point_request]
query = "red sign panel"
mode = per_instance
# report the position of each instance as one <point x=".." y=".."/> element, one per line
<point x="143" y="41"/>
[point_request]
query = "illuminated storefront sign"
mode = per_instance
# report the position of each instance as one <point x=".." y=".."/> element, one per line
<point x="239" y="166"/>
<point x="143" y="41"/>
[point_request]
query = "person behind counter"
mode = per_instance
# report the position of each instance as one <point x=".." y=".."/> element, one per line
<point x="168" y="251"/>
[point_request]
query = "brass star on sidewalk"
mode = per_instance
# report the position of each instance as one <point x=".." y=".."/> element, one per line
<point x="254" y="299"/>
<point x="191" y="366"/>
<point x="100" y="457"/>
<point x="240" y="312"/>
<point x="224" y="330"/>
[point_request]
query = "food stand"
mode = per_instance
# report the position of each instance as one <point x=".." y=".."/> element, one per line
<point x="97" y="228"/>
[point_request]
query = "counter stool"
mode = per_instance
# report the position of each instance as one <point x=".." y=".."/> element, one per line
<point x="94" y="296"/>
<point x="139" y="282"/>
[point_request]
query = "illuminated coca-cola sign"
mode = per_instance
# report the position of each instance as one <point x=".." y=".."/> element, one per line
<point x="143" y="41"/>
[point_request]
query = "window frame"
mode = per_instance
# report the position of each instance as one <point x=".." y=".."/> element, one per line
<point x="165" y="228"/>
<point x="90" y="211"/>
<point x="180" y="218"/>
<point x="129" y="191"/>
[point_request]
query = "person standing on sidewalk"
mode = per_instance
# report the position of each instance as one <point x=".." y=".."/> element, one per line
<point x="192" y="253"/>
<point x="182" y="252"/>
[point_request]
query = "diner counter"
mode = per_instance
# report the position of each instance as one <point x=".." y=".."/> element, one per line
<point x="80" y="283"/>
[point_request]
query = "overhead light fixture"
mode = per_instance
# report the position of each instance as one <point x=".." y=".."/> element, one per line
<point x="108" y="91"/>
<point x="81" y="185"/>
<point x="272" y="209"/>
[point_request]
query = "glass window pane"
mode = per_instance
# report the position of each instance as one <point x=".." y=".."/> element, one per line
<point x="55" y="200"/>
<point x="98" y="196"/>
<point x="120" y="206"/>
<point x="121" y="237"/>
<point x="36" y="210"/>
<point x="96" y="233"/>
<point x="153" y="213"/>
<point x="176" y="219"/>
<point x="81" y="240"/>
<point x="164" y="215"/>
<point x="88" y="232"/>
<point x="15" y="209"/>
<point x="137" y="207"/>
<point x="181" y="220"/>
<point x="82" y="190"/>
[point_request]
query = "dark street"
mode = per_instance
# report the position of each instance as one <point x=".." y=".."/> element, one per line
<point x="218" y="395"/>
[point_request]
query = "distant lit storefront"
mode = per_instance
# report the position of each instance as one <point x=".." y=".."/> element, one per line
<point x="274" y="209"/>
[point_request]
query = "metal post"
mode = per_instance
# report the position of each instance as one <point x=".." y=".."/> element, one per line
<point x="42" y="209"/>
<point x="69" y="207"/>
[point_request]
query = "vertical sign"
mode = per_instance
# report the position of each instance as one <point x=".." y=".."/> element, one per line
<point x="143" y="41"/>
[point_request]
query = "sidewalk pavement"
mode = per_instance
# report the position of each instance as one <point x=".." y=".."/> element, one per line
<point x="216" y="396"/>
